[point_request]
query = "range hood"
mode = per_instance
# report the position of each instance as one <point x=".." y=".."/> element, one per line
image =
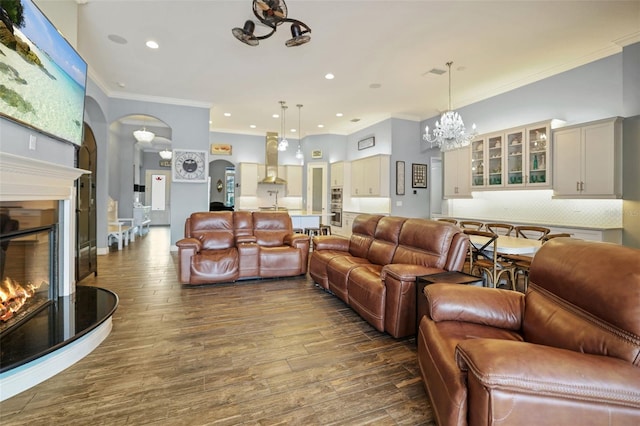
<point x="271" y="169"/>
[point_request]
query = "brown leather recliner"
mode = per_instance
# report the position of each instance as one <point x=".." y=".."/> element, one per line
<point x="374" y="271"/>
<point x="566" y="353"/>
<point x="225" y="246"/>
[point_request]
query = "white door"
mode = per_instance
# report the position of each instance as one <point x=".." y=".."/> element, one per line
<point x="435" y="178"/>
<point x="161" y="209"/>
<point x="317" y="188"/>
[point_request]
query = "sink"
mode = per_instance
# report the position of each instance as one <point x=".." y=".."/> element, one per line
<point x="272" y="209"/>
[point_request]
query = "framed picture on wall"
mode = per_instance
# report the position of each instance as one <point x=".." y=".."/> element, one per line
<point x="418" y="175"/>
<point x="399" y="177"/>
<point x="366" y="143"/>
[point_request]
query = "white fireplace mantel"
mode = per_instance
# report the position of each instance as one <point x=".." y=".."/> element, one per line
<point x="23" y="179"/>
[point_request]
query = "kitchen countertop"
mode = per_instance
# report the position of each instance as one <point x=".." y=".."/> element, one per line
<point x="548" y="224"/>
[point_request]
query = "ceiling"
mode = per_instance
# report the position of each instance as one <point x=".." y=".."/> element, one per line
<point x="380" y="52"/>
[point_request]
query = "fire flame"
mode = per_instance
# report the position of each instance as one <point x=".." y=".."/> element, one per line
<point x="13" y="296"/>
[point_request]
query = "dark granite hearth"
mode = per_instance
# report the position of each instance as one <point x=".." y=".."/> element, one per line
<point x="56" y="326"/>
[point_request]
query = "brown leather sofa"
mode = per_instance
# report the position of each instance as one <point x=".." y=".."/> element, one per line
<point x="226" y="246"/>
<point x="374" y="271"/>
<point x="566" y="353"/>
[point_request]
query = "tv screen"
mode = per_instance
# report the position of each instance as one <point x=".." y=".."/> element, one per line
<point x="42" y="78"/>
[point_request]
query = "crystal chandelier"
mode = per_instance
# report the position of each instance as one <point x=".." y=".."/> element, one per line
<point x="299" y="154"/>
<point x="284" y="143"/>
<point x="144" y="135"/>
<point x="450" y="132"/>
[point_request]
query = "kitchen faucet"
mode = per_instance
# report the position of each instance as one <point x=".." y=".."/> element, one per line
<point x="276" y="194"/>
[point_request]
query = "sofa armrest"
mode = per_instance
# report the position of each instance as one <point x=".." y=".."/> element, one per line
<point x="190" y="243"/>
<point x="530" y="369"/>
<point x="331" y="242"/>
<point x="407" y="272"/>
<point x="244" y="239"/>
<point x="300" y="241"/>
<point x="485" y="306"/>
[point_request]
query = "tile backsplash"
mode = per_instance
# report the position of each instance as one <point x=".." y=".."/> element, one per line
<point x="536" y="206"/>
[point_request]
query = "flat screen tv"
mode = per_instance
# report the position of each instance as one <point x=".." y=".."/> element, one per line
<point x="42" y="78"/>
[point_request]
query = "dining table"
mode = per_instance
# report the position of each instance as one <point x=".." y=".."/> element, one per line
<point x="509" y="245"/>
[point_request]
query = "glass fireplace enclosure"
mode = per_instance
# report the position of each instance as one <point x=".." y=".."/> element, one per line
<point x="28" y="259"/>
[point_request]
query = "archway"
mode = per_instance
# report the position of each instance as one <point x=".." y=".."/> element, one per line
<point x="222" y="187"/>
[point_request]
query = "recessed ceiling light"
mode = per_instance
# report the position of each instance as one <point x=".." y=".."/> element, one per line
<point x="339" y="114"/>
<point x="117" y="39"/>
<point x="210" y="121"/>
<point x="227" y="114"/>
<point x="276" y="116"/>
<point x="321" y="126"/>
<point x="253" y="126"/>
<point x="152" y="44"/>
<point x="293" y="130"/>
<point x="329" y="76"/>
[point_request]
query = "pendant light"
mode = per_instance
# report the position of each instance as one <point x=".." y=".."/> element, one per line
<point x="299" y="154"/>
<point x="284" y="143"/>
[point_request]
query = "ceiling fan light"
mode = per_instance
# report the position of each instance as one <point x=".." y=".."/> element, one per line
<point x="299" y="37"/>
<point x="245" y="34"/>
<point x="144" y="135"/>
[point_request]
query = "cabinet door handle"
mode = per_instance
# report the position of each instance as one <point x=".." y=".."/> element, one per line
<point x="577" y="186"/>
<point x="581" y="186"/>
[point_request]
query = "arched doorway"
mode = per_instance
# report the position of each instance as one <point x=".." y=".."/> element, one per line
<point x="86" y="220"/>
<point x="222" y="187"/>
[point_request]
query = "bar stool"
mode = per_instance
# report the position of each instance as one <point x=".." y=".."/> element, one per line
<point x="325" y="229"/>
<point x="311" y="232"/>
<point x="471" y="224"/>
<point x="298" y="231"/>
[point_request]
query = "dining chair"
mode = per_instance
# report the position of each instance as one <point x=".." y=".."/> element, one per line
<point x="531" y="232"/>
<point x="483" y="256"/>
<point x="471" y="224"/>
<point x="523" y="263"/>
<point x="448" y="219"/>
<point x="499" y="228"/>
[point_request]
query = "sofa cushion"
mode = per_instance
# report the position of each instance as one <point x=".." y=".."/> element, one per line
<point x="415" y="249"/>
<point x="214" y="266"/>
<point x="280" y="261"/>
<point x="338" y="270"/>
<point x="270" y="228"/>
<point x="215" y="231"/>
<point x="581" y="275"/>
<point x="363" y="230"/>
<point x="367" y="294"/>
<point x="385" y="240"/>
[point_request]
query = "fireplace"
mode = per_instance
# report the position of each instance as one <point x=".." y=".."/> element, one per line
<point x="28" y="243"/>
<point x="59" y="323"/>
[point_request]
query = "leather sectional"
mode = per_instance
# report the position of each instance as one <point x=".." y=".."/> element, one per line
<point x="565" y="353"/>
<point x="374" y="271"/>
<point x="226" y="246"/>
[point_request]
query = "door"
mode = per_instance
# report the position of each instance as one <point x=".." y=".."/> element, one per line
<point x="317" y="188"/>
<point x="159" y="198"/>
<point x="435" y="201"/>
<point x="86" y="221"/>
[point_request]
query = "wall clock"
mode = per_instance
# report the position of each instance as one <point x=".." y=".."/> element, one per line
<point x="190" y="166"/>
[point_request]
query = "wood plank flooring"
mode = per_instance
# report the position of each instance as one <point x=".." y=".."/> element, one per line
<point x="269" y="352"/>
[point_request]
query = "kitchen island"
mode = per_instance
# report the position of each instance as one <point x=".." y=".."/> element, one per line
<point x="304" y="219"/>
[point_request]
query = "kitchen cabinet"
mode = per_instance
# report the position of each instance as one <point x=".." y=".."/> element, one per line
<point x="587" y="160"/>
<point x="457" y="173"/>
<point x="528" y="162"/>
<point x="347" y="223"/>
<point x="248" y="179"/>
<point x="487" y="162"/>
<point x="370" y="176"/>
<point x="293" y="177"/>
<point x="337" y="174"/>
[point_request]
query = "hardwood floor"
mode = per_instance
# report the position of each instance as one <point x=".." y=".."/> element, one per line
<point x="256" y="353"/>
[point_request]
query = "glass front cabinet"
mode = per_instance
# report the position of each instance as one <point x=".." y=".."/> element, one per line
<point x="517" y="158"/>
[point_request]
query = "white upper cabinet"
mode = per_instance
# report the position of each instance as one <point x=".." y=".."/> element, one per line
<point x="248" y="179"/>
<point x="370" y="176"/>
<point x="457" y="176"/>
<point x="587" y="160"/>
<point x="294" y="180"/>
<point x="337" y="174"/>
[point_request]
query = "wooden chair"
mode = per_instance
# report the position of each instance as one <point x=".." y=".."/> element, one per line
<point x="552" y="236"/>
<point x="532" y="232"/>
<point x="471" y="224"/>
<point x="523" y="263"/>
<point x="499" y="228"/>
<point x="448" y="219"/>
<point x="120" y="229"/>
<point x="484" y="257"/>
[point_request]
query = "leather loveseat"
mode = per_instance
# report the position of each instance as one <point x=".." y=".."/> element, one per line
<point x="374" y="271"/>
<point x="566" y="353"/>
<point x="226" y="246"/>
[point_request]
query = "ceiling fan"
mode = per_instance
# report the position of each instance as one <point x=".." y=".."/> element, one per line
<point x="272" y="13"/>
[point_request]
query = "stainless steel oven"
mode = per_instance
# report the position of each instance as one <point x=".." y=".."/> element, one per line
<point x="336" y="207"/>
